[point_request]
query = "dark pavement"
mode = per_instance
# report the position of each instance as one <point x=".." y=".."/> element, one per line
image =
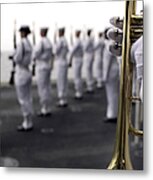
<point x="73" y="137"/>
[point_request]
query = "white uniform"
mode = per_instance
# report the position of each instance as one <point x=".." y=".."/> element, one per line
<point x="98" y="56"/>
<point x="77" y="55"/>
<point x="23" y="79"/>
<point x="111" y="79"/>
<point x="119" y="60"/>
<point x="134" y="80"/>
<point x="43" y="56"/>
<point x="137" y="58"/>
<point x="61" y="50"/>
<point x="88" y="59"/>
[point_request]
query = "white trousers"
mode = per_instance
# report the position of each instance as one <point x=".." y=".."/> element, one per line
<point x="88" y="58"/>
<point x="44" y="87"/>
<point x="61" y="69"/>
<point x="134" y="83"/>
<point x="77" y="70"/>
<point x="23" y="89"/>
<point x="98" y="68"/>
<point x="112" y="94"/>
<point x="141" y="90"/>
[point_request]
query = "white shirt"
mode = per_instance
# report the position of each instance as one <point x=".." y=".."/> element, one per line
<point x="110" y="65"/>
<point x="61" y="48"/>
<point x="89" y="45"/>
<point x="43" y="51"/>
<point x="137" y="57"/>
<point x="99" y="47"/>
<point x="77" y="49"/>
<point x="23" y="53"/>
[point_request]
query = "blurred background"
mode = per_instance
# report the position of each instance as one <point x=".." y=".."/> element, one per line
<point x="72" y="15"/>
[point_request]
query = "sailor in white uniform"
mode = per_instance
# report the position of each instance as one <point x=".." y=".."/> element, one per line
<point x="88" y="60"/>
<point x="76" y="58"/>
<point x="23" y="78"/>
<point x="137" y="58"/>
<point x="111" y="79"/>
<point x="98" y="58"/>
<point x="43" y="56"/>
<point x="61" y="50"/>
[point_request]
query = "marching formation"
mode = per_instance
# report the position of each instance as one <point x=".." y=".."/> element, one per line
<point x="46" y="55"/>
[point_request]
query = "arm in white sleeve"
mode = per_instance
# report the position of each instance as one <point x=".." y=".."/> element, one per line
<point x="74" y="48"/>
<point x="71" y="53"/>
<point x="106" y="65"/>
<point x="18" y="54"/>
<point x="58" y="47"/>
<point x="37" y="51"/>
<point x="139" y="64"/>
<point x="132" y="53"/>
<point x="96" y="45"/>
<point x="85" y="45"/>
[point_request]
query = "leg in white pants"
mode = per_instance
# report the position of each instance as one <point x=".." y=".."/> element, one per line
<point x="44" y="89"/>
<point x="25" y="101"/>
<point x="141" y="90"/>
<point x="61" y="66"/>
<point x="112" y="93"/>
<point x="89" y="73"/>
<point x="77" y="67"/>
<point x="98" y="70"/>
<point x="135" y="83"/>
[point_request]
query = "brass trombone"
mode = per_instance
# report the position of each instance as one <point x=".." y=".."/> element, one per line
<point x="132" y="30"/>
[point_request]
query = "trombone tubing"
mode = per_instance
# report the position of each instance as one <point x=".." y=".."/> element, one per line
<point x="121" y="156"/>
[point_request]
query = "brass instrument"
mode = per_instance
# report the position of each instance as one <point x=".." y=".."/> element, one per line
<point x="132" y="29"/>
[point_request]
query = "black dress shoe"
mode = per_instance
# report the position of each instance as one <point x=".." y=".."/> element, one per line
<point x="48" y="114"/>
<point x="44" y="115"/>
<point x="62" y="105"/>
<point x="110" y="120"/>
<point x="78" y="98"/>
<point x="89" y="91"/>
<point x="40" y="115"/>
<point x="21" y="128"/>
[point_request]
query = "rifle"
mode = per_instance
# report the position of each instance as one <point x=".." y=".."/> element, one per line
<point x="71" y="42"/>
<point x="34" y="42"/>
<point x="84" y="32"/>
<point x="11" y="81"/>
<point x="71" y="36"/>
<point x="55" y="41"/>
<point x="55" y="33"/>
